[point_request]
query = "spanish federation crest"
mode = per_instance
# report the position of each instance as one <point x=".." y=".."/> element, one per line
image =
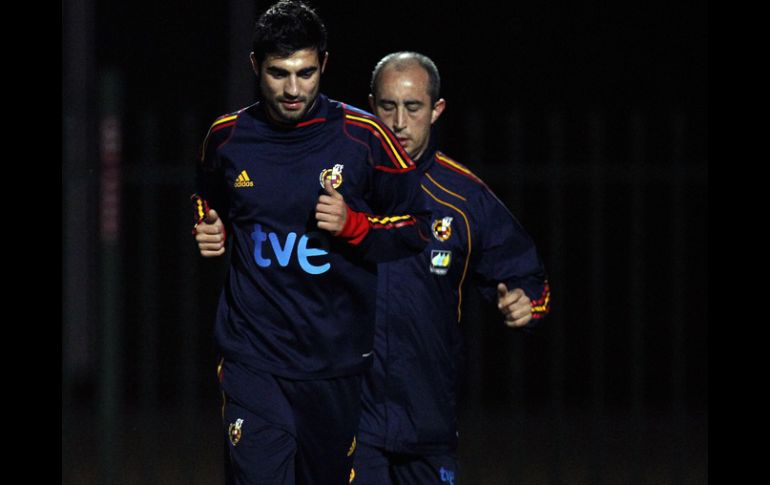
<point x="332" y="174"/>
<point x="442" y="228"/>
<point x="234" y="431"/>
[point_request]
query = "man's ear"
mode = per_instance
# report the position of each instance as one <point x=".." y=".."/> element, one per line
<point x="438" y="108"/>
<point x="254" y="64"/>
<point x="371" y="102"/>
<point x="323" y="62"/>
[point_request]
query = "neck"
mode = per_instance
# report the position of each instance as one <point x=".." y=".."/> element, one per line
<point x="424" y="155"/>
<point x="418" y="156"/>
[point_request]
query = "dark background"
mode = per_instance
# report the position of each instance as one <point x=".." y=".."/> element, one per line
<point x="588" y="119"/>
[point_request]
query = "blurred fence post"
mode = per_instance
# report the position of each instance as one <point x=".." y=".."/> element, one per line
<point x="78" y="191"/>
<point x="110" y="153"/>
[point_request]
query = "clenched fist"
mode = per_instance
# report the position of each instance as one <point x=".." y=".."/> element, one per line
<point x="210" y="235"/>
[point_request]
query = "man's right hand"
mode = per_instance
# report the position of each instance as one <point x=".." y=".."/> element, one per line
<point x="210" y="235"/>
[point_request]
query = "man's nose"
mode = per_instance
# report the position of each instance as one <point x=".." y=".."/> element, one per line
<point x="399" y="120"/>
<point x="290" y="88"/>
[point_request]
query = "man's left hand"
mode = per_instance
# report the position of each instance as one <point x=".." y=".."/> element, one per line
<point x="515" y="305"/>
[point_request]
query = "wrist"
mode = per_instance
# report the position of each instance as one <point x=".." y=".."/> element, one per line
<point x="356" y="227"/>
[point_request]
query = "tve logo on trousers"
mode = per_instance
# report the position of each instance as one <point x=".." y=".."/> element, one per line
<point x="284" y="250"/>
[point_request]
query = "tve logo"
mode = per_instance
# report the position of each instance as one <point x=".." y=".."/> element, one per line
<point x="447" y="475"/>
<point x="283" y="251"/>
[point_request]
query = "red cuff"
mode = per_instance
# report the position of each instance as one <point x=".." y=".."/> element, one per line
<point x="356" y="227"/>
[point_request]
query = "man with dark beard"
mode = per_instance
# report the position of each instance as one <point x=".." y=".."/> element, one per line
<point x="309" y="194"/>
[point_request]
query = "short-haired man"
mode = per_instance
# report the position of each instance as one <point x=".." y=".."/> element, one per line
<point x="408" y="432"/>
<point x="310" y="195"/>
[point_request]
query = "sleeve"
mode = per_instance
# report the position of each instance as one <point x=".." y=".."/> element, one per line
<point x="210" y="188"/>
<point x="397" y="225"/>
<point x="508" y="255"/>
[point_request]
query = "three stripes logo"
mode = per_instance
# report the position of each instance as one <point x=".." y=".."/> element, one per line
<point x="243" y="180"/>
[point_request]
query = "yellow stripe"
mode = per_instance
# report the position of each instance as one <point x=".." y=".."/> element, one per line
<point x="444" y="188"/>
<point x="224" y="120"/>
<point x="454" y="164"/>
<point x="201" y="212"/>
<point x="216" y="123"/>
<point x="352" y="446"/>
<point x="384" y="135"/>
<point x="246" y="177"/>
<point x="544" y="307"/>
<point x="467" y="257"/>
<point x="387" y="219"/>
<point x="224" y="398"/>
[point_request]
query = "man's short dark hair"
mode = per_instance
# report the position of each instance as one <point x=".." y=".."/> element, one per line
<point x="401" y="60"/>
<point x="287" y="27"/>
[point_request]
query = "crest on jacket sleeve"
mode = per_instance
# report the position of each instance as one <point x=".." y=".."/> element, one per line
<point x="332" y="174"/>
<point x="442" y="228"/>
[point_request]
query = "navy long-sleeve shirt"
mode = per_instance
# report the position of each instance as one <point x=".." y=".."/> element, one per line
<point x="297" y="301"/>
<point x="409" y="395"/>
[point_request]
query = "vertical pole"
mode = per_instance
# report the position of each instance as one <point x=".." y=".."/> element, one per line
<point x="78" y="186"/>
<point x="110" y="152"/>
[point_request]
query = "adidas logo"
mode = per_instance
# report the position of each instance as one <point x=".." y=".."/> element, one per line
<point x="243" y="180"/>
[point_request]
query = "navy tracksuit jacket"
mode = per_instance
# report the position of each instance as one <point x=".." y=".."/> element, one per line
<point x="298" y="302"/>
<point x="410" y="392"/>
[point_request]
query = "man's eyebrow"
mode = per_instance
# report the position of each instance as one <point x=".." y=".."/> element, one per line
<point x="280" y="70"/>
<point x="408" y="102"/>
<point x="276" y="70"/>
